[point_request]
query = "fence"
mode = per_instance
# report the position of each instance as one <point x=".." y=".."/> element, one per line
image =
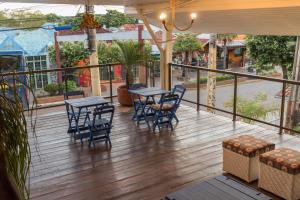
<point x="236" y="76"/>
<point x="76" y="78"/>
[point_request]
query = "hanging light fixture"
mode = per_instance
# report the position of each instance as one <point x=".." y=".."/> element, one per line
<point x="163" y="16"/>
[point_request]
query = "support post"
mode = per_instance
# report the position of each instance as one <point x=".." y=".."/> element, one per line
<point x="198" y="89"/>
<point x="211" y="82"/>
<point x="57" y="57"/>
<point x="282" y="107"/>
<point x="292" y="102"/>
<point x="142" y="68"/>
<point x="95" y="72"/>
<point x="167" y="57"/>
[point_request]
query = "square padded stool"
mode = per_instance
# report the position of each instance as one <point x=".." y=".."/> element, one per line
<point x="241" y="156"/>
<point x="280" y="173"/>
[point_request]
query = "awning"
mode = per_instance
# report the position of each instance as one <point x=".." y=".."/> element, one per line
<point x="269" y="17"/>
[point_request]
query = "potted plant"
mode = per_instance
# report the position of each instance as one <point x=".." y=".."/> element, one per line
<point x="14" y="145"/>
<point x="129" y="54"/>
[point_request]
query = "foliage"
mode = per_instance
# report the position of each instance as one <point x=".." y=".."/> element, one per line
<point x="226" y="37"/>
<point x="112" y="18"/>
<point x="25" y="18"/>
<point x="106" y="53"/>
<point x="71" y="86"/>
<point x="52" y="89"/>
<point x="70" y="53"/>
<point x="272" y="50"/>
<point x="129" y="54"/>
<point x="253" y="108"/>
<point x="14" y="145"/>
<point x="187" y="43"/>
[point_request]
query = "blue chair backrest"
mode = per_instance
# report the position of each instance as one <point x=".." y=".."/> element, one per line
<point x="104" y="112"/>
<point x="178" y="90"/>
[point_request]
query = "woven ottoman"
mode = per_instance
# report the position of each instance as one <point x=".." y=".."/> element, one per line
<point x="280" y="173"/>
<point x="241" y="156"/>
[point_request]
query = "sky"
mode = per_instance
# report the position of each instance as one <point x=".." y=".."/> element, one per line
<point x="61" y="9"/>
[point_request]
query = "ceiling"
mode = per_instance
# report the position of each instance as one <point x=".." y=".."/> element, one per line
<point x="270" y="17"/>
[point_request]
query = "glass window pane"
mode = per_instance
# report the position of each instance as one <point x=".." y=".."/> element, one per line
<point x="39" y="81"/>
<point x="29" y="58"/>
<point x="37" y="66"/>
<point x="44" y="64"/>
<point x="43" y="58"/>
<point x="45" y="79"/>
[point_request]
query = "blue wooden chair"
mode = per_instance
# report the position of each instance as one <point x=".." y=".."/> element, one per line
<point x="138" y="102"/>
<point x="72" y="113"/>
<point x="163" y="112"/>
<point x="180" y="91"/>
<point x="101" y="125"/>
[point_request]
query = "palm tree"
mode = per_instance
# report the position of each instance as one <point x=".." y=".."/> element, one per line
<point x="225" y="38"/>
<point x="187" y="44"/>
<point x="130" y="55"/>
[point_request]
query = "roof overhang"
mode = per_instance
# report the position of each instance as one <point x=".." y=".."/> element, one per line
<point x="270" y="17"/>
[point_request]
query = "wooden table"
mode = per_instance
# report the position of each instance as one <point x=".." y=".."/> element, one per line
<point x="219" y="188"/>
<point x="148" y="94"/>
<point x="76" y="109"/>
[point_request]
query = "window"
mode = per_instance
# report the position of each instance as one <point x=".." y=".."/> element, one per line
<point x="38" y="81"/>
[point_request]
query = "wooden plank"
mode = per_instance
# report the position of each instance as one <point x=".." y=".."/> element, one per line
<point x="140" y="165"/>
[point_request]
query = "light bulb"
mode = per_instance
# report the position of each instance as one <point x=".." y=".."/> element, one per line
<point x="193" y="16"/>
<point x="163" y="16"/>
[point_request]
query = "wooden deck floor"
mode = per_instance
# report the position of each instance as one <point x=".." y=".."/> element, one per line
<point x="140" y="165"/>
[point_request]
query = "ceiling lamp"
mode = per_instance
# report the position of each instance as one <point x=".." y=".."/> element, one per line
<point x="163" y="17"/>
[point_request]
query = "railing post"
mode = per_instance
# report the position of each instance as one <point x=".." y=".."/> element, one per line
<point x="170" y="76"/>
<point x="66" y="84"/>
<point x="110" y="83"/>
<point x="153" y="74"/>
<point x="282" y="107"/>
<point x="234" y="97"/>
<point x="198" y="89"/>
<point x="146" y="71"/>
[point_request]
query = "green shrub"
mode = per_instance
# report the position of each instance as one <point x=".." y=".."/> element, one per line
<point x="52" y="89"/>
<point x="71" y="86"/>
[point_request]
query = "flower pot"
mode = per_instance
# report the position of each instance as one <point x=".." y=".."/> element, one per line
<point x="124" y="97"/>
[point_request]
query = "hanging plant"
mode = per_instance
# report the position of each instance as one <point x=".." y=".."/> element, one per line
<point x="88" y="22"/>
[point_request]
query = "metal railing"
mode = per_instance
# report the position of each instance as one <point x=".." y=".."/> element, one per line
<point x="68" y="72"/>
<point x="236" y="75"/>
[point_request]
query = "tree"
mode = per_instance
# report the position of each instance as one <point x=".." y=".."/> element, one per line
<point x="26" y="18"/>
<point x="225" y="38"/>
<point x="70" y="53"/>
<point x="272" y="50"/>
<point x="128" y="53"/>
<point x="252" y="108"/>
<point x="187" y="43"/>
<point x="112" y="18"/>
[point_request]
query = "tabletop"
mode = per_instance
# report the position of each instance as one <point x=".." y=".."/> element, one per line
<point x="86" y="101"/>
<point x="220" y="187"/>
<point x="150" y="91"/>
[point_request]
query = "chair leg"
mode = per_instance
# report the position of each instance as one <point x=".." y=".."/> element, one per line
<point x="175" y="117"/>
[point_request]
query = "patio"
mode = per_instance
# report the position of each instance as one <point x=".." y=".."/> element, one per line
<point x="140" y="164"/>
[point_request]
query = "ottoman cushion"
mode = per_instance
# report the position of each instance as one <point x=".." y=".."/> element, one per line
<point x="248" y="146"/>
<point x="287" y="160"/>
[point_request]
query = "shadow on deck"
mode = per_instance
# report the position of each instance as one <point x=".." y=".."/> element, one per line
<point x="140" y="165"/>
